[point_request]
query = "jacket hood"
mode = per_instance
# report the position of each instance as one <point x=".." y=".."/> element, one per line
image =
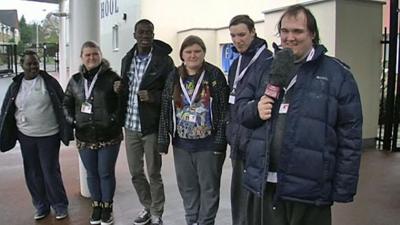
<point x="162" y="47"/>
<point x="105" y="65"/>
<point x="19" y="77"/>
<point x="159" y="47"/>
<point x="319" y="50"/>
<point x="254" y="46"/>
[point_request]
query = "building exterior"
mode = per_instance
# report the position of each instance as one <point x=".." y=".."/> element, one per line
<point x="9" y="27"/>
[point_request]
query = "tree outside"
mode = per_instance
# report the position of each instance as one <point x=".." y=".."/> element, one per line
<point x="48" y="34"/>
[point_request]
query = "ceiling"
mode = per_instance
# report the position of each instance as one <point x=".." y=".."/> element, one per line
<point x="46" y="1"/>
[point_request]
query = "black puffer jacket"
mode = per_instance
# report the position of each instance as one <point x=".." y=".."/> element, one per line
<point x="104" y="124"/>
<point x="153" y="81"/>
<point x="219" y="93"/>
<point x="8" y="126"/>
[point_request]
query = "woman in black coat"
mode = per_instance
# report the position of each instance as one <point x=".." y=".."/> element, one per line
<point x="93" y="108"/>
<point x="32" y="114"/>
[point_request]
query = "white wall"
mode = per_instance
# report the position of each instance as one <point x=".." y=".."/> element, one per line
<point x="172" y="16"/>
<point x="358" y="44"/>
<point x="126" y="29"/>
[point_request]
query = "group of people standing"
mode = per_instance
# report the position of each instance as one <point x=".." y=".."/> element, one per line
<point x="293" y="153"/>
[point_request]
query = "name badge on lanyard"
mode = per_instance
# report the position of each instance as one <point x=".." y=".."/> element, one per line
<point x="284" y="107"/>
<point x="239" y="76"/>
<point x="86" y="106"/>
<point x="192" y="115"/>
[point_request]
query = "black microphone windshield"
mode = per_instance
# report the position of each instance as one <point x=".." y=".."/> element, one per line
<point x="281" y="68"/>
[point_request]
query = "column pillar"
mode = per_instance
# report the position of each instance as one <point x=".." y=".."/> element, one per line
<point x="84" y="25"/>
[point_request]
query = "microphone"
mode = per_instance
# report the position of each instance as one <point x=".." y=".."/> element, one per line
<point x="276" y="47"/>
<point x="281" y="68"/>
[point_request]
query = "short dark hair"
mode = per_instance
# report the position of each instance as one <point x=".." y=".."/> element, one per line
<point x="294" y="10"/>
<point x="144" y="21"/>
<point x="189" y="41"/>
<point x="90" y="44"/>
<point x="245" y="19"/>
<point x="27" y="52"/>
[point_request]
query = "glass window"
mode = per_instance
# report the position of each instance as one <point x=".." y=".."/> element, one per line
<point x="115" y="38"/>
<point x="228" y="55"/>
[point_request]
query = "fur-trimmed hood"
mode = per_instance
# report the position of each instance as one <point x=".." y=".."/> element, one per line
<point x="104" y="66"/>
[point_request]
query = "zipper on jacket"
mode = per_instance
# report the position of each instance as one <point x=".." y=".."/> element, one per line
<point x="211" y="113"/>
<point x="173" y="118"/>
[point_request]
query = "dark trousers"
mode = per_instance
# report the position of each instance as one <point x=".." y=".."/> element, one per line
<point x="262" y="212"/>
<point x="42" y="172"/>
<point x="199" y="177"/>
<point x="100" y="168"/>
<point x="238" y="194"/>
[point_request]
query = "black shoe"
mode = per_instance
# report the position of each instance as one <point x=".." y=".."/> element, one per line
<point x="143" y="218"/>
<point x="41" y="214"/>
<point x="95" y="218"/>
<point x="61" y="214"/>
<point x="107" y="214"/>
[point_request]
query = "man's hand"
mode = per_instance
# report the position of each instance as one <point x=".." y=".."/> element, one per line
<point x="118" y="86"/>
<point x="264" y="107"/>
<point x="145" y="96"/>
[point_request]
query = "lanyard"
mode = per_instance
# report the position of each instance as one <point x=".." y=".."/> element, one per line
<point x="294" y="79"/>
<point x="88" y="90"/>
<point x="239" y="76"/>
<point x="195" y="90"/>
<point x="147" y="64"/>
<point x="292" y="82"/>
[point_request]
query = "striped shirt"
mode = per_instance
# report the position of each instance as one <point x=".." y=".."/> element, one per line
<point x="138" y="68"/>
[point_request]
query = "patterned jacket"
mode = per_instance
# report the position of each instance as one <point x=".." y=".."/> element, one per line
<point x="219" y="106"/>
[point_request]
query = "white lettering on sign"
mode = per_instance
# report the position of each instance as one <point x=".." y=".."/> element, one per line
<point x="108" y="8"/>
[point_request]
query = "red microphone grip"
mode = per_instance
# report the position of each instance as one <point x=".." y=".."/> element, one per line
<point x="272" y="91"/>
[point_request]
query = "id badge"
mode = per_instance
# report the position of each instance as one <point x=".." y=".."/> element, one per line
<point x="86" y="108"/>
<point x="283" y="109"/>
<point x="192" y="118"/>
<point x="231" y="99"/>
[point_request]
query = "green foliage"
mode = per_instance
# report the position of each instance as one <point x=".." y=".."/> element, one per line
<point x="26" y="31"/>
<point x="47" y="28"/>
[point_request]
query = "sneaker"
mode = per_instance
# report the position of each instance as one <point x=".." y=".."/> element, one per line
<point x="95" y="218"/>
<point x="40" y="215"/>
<point x="107" y="214"/>
<point x="61" y="214"/>
<point x="156" y="220"/>
<point x="143" y="218"/>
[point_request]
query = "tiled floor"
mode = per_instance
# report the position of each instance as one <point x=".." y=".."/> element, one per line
<point x="377" y="201"/>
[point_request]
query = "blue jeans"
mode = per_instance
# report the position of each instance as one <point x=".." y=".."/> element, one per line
<point x="100" y="168"/>
<point x="42" y="172"/>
